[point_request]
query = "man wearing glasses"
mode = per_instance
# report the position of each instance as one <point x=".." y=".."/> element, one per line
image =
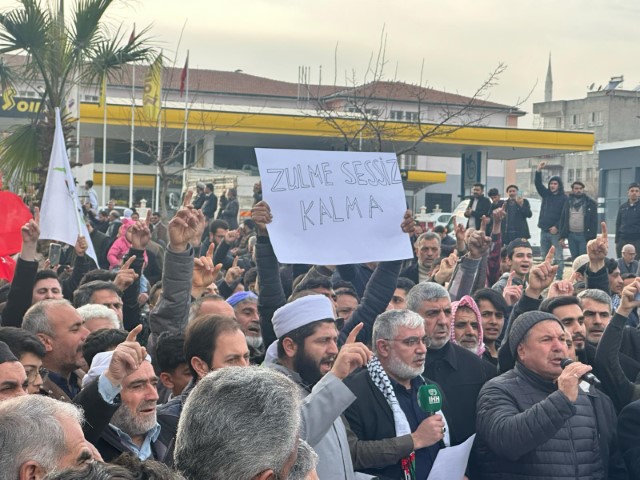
<point x="460" y="373"/>
<point x="395" y="436"/>
<point x="29" y="351"/>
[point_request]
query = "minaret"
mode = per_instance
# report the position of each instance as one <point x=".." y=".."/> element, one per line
<point x="548" y="84"/>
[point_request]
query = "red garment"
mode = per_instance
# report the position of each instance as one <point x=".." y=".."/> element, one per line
<point x="14" y="215"/>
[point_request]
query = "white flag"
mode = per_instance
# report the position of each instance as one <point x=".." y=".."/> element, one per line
<point x="61" y="215"/>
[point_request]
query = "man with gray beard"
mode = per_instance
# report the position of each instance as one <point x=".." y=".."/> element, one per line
<point x="123" y="384"/>
<point x="392" y="429"/>
<point x="245" y="308"/>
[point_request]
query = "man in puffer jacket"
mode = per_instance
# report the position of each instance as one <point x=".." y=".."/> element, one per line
<point x="553" y="200"/>
<point x="540" y="421"/>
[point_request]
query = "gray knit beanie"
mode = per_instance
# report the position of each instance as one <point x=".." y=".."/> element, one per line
<point x="523" y="324"/>
<point x="5" y="354"/>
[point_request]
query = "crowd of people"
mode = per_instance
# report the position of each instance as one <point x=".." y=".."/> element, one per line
<point x="189" y="352"/>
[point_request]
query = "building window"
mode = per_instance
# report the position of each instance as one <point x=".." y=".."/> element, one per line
<point x="576" y="121"/>
<point x="397" y="115"/>
<point x="589" y="174"/>
<point x="413" y="117"/>
<point x="570" y="175"/>
<point x="578" y="174"/>
<point x="374" y="112"/>
<point x="558" y="122"/>
<point x="408" y="161"/>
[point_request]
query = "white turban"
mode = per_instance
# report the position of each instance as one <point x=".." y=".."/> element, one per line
<point x="296" y="314"/>
<point x="301" y="312"/>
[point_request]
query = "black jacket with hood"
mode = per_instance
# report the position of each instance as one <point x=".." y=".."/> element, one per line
<point x="552" y="203"/>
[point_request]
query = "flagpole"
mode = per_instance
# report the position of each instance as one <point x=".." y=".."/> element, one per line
<point x="186" y="128"/>
<point x="104" y="148"/>
<point x="133" y="112"/>
<point x="157" y="203"/>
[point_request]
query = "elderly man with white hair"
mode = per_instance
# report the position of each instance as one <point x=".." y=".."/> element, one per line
<point x="97" y="317"/>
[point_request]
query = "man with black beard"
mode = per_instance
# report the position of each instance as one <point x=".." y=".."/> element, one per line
<point x="307" y="352"/>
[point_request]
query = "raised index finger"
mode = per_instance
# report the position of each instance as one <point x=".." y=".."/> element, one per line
<point x="603" y="226"/>
<point x="510" y="280"/>
<point x="187" y="198"/>
<point x="549" y="258"/>
<point x="148" y="219"/>
<point x="354" y="333"/>
<point x="36" y="215"/>
<point x="133" y="334"/>
<point x="129" y="261"/>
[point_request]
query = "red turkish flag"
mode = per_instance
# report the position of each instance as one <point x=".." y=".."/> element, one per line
<point x="14" y="215"/>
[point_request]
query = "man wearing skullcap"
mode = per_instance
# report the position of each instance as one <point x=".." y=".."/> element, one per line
<point x="245" y="308"/>
<point x="13" y="378"/>
<point x="539" y="420"/>
<point x="307" y="352"/>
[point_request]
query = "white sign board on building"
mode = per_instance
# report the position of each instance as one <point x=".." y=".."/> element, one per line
<point x="334" y="208"/>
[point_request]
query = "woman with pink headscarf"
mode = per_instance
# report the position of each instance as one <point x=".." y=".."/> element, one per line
<point x="466" y="325"/>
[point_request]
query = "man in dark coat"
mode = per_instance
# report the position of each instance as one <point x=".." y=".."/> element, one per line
<point x="538" y="420"/>
<point x="579" y="220"/>
<point x="517" y="211"/>
<point x="387" y="437"/>
<point x="460" y="373"/>
<point x="553" y="200"/>
<point x="231" y="209"/>
<point x="210" y="203"/>
<point x="479" y="206"/>
<point x="628" y="220"/>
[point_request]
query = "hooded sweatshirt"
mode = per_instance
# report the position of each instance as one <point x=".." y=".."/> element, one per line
<point x="552" y="203"/>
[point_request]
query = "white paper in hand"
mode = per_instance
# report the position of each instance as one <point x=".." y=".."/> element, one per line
<point x="334" y="208"/>
<point x="451" y="462"/>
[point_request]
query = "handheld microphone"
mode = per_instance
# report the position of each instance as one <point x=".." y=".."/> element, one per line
<point x="430" y="399"/>
<point x="587" y="377"/>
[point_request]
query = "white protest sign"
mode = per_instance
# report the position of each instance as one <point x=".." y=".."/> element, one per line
<point x="334" y="208"/>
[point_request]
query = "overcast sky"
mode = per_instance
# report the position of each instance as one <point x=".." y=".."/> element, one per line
<point x="459" y="41"/>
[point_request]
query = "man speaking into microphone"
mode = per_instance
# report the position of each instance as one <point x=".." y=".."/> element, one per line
<point x="396" y="417"/>
<point x="537" y="420"/>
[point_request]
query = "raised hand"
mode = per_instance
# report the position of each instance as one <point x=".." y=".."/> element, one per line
<point x="140" y="234"/>
<point x="261" y="214"/>
<point x="497" y="216"/>
<point x="445" y="271"/>
<point x="408" y="224"/>
<point x="231" y="236"/>
<point x="628" y="300"/>
<point x="460" y="233"/>
<point x="352" y="355"/>
<point x="598" y="249"/>
<point x="540" y="166"/>
<point x="542" y="275"/>
<point x="127" y="275"/>
<point x="512" y="293"/>
<point x="186" y="225"/>
<point x="478" y="243"/>
<point x="204" y="272"/>
<point x="560" y="288"/>
<point x="126" y="359"/>
<point x="234" y="273"/>
<point x="30" y="234"/>
<point x="81" y="246"/>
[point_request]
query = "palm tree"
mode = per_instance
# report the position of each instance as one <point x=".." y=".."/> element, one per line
<point x="60" y="55"/>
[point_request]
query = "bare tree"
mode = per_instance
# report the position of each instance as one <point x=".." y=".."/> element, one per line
<point x="361" y="113"/>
